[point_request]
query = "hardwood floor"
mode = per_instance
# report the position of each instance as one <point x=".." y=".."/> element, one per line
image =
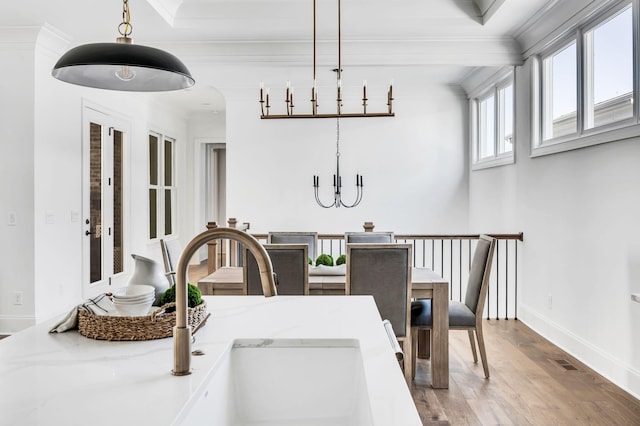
<point x="532" y="383"/>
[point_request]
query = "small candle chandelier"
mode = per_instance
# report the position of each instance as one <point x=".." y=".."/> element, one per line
<point x="264" y="95"/>
<point x="337" y="179"/>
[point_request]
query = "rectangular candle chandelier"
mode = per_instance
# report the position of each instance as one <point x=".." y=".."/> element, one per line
<point x="264" y="94"/>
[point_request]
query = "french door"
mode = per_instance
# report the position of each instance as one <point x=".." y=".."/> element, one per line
<point x="104" y="138"/>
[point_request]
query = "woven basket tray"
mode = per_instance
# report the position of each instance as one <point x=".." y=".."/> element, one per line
<point x="157" y="325"/>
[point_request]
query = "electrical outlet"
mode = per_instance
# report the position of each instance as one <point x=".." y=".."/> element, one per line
<point x="18" y="297"/>
<point x="549" y="301"/>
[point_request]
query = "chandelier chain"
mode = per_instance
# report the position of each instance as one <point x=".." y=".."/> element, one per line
<point x="126" y="20"/>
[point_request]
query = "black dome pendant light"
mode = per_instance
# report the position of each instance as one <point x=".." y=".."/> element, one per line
<point x="123" y="65"/>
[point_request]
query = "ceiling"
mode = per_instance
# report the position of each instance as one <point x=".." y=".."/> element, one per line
<point x="450" y="36"/>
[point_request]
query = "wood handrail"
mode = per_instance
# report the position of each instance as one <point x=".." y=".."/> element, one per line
<point x="518" y="236"/>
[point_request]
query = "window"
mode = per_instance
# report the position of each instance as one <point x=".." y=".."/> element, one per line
<point x="162" y="189"/>
<point x="608" y="52"/>
<point x="559" y="93"/>
<point x="586" y="83"/>
<point x="492" y="138"/>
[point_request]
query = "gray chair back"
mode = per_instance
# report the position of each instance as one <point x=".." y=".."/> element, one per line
<point x="369" y="237"/>
<point x="478" y="281"/>
<point x="383" y="271"/>
<point x="309" y="238"/>
<point x="289" y="264"/>
<point x="171" y="251"/>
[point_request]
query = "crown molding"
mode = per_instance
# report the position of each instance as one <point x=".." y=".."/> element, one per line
<point x="465" y="51"/>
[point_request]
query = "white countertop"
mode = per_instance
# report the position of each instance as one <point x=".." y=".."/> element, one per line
<point x="48" y="379"/>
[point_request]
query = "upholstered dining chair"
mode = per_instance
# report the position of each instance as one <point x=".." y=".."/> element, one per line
<point x="465" y="315"/>
<point x="384" y="272"/>
<point x="309" y="238"/>
<point x="171" y="251"/>
<point x="289" y="264"/>
<point x="369" y="237"/>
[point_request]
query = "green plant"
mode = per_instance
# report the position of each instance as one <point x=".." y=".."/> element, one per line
<point x="324" y="259"/>
<point x="194" y="296"/>
<point x="310" y="261"/>
<point x="341" y="260"/>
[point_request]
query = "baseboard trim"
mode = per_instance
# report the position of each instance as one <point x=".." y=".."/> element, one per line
<point x="13" y="324"/>
<point x="615" y="370"/>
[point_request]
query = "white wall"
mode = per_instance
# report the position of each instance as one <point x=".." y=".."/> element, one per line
<point x="579" y="213"/>
<point x="17" y="176"/>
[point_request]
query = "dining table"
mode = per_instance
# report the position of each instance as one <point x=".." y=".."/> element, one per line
<point x="425" y="284"/>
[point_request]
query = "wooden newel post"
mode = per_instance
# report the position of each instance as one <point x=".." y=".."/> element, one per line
<point x="368" y="226"/>
<point x="212" y="251"/>
<point x="233" y="245"/>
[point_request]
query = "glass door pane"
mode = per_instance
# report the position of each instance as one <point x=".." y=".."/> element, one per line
<point x="95" y="203"/>
<point x="118" y="249"/>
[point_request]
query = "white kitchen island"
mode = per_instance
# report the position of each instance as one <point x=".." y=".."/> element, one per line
<point x="55" y="379"/>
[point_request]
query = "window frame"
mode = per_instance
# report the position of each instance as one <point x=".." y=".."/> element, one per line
<point x="498" y="82"/>
<point x="161" y="187"/>
<point x="583" y="137"/>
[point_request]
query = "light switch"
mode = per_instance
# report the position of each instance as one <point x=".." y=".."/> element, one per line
<point x="49" y="217"/>
<point x="11" y="218"/>
<point x="75" y="216"/>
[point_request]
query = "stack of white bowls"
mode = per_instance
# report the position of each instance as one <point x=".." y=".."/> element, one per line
<point x="134" y="300"/>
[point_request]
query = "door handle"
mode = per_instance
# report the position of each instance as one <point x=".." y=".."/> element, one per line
<point x="88" y="233"/>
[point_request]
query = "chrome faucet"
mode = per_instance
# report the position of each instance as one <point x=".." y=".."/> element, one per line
<point x="182" y="331"/>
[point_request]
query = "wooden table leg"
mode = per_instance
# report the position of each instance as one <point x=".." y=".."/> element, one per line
<point x="424" y="343"/>
<point x="440" y="330"/>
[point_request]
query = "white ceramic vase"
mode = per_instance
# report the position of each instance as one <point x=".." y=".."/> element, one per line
<point x="148" y="271"/>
